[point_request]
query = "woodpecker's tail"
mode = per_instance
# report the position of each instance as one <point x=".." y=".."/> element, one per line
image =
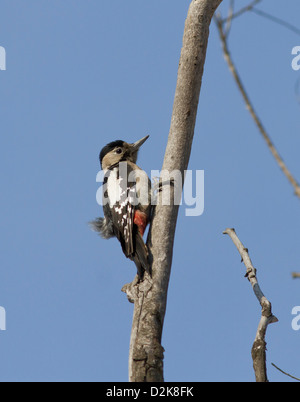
<point x="141" y="256"/>
<point x="103" y="227"/>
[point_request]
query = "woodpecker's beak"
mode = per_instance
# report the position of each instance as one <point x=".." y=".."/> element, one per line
<point x="139" y="143"/>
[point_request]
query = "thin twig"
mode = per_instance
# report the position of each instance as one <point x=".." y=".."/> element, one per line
<point x="259" y="346"/>
<point x="276" y="20"/>
<point x="289" y="375"/>
<point x="251" y="7"/>
<point x="252" y="111"/>
<point x="243" y="10"/>
<point x="229" y="18"/>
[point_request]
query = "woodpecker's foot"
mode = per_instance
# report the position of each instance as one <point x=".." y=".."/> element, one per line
<point x="158" y="188"/>
<point x="170" y="182"/>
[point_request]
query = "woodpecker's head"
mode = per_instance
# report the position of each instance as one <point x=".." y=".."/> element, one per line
<point x="119" y="151"/>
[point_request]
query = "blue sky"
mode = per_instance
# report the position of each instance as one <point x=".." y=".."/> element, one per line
<point x="83" y="73"/>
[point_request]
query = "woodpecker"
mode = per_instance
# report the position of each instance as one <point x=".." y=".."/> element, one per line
<point x="126" y="201"/>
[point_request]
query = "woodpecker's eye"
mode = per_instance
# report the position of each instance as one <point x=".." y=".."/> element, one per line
<point x="118" y="151"/>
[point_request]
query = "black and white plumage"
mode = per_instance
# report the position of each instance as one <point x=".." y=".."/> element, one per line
<point x="126" y="201"/>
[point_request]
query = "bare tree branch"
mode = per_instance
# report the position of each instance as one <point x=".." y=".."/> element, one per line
<point x="259" y="346"/>
<point x="243" y="10"/>
<point x="252" y="111"/>
<point x="277" y="20"/>
<point x="150" y="296"/>
<point x="289" y="375"/>
<point x="251" y="7"/>
<point x="229" y="18"/>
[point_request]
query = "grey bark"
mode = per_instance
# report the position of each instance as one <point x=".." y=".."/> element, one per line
<point x="150" y="296"/>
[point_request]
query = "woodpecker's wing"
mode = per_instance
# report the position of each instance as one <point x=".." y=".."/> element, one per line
<point x="123" y="196"/>
<point x="122" y="215"/>
<point x="126" y="231"/>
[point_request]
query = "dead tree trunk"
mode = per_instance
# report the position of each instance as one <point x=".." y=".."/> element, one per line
<point x="150" y="295"/>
